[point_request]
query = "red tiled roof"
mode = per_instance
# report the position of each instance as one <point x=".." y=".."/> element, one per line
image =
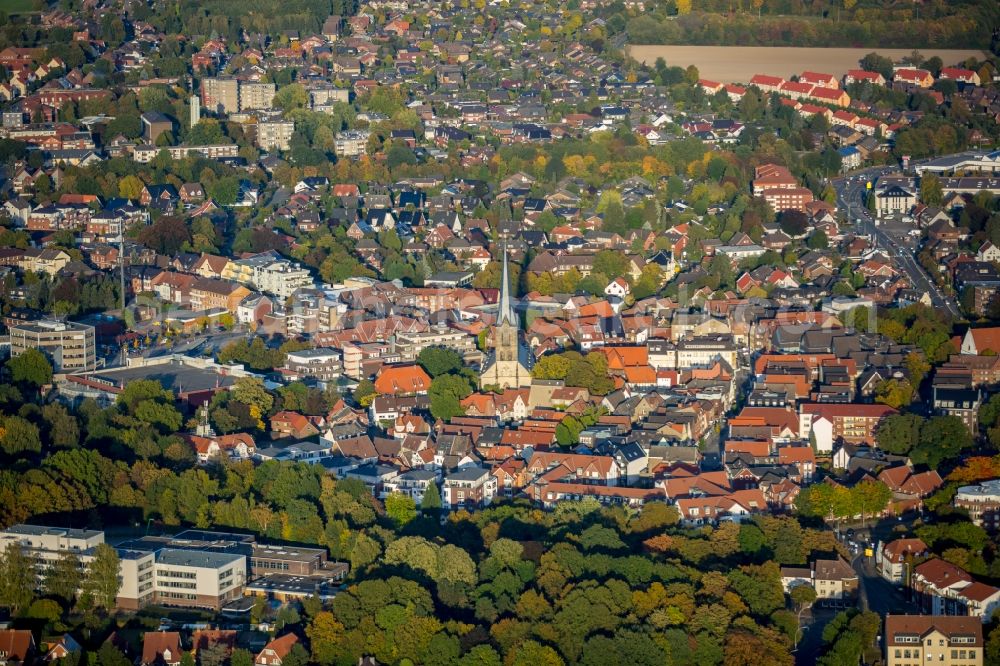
<point x="765" y="80"/>
<point x="941" y="574"/>
<point x="896" y="550"/>
<point x="156" y="643"/>
<point x="16" y="644"/>
<point x="280" y="646"/>
<point x="410" y="378"/>
<point x="921" y="625"/>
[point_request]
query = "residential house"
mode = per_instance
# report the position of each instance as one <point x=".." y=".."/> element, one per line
<point x="276" y="650"/>
<point x="292" y="425"/>
<point x="895" y="559"/>
<point x="468" y="488"/>
<point x="927" y="639"/>
<point x="161" y="648"/>
<point x="17" y="646"/>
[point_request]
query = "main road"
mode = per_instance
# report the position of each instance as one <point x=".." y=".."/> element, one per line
<point x="851" y="199"/>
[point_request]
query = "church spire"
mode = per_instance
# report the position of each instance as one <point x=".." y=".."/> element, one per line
<point x="505" y="310"/>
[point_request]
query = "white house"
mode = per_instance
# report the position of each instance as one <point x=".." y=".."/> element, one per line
<point x="988" y="252"/>
<point x="617" y="288"/>
<point x="822" y="433"/>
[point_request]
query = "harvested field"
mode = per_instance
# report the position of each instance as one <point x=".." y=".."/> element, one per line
<point x="737" y="64"/>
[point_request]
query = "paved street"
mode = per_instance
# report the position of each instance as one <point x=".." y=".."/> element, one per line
<point x="877" y="594"/>
<point x="850" y="199"/>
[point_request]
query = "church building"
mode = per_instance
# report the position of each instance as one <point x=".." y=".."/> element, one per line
<point x="509" y="363"/>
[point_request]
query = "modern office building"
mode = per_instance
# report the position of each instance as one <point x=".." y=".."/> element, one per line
<point x="193" y="569"/>
<point x="45" y="545"/>
<point x="70" y="346"/>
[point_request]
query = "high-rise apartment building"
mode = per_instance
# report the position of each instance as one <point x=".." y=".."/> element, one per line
<point x="220" y="95"/>
<point x="255" y="96"/>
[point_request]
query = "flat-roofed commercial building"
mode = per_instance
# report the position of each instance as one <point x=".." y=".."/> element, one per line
<point x="46" y="545"/>
<point x="70" y="346"/>
<point x="201" y="579"/>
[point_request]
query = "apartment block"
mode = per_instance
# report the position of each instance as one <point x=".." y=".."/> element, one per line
<point x="982" y="502"/>
<point x="853" y="423"/>
<point x="147" y="153"/>
<point x="193" y="569"/>
<point x="275" y="135"/>
<point x="351" y="143"/>
<point x="255" y="96"/>
<point x="211" y="293"/>
<point x="779" y="188"/>
<point x="220" y="95"/>
<point x="913" y="640"/>
<point x="955" y="400"/>
<point x="469" y="488"/>
<point x="70" y="346"/>
<point x="324" y="364"/>
<point x="282" y="279"/>
<point x="409" y="345"/>
<point x="322" y="99"/>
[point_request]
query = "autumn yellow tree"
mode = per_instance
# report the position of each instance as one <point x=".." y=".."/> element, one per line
<point x="683" y="7"/>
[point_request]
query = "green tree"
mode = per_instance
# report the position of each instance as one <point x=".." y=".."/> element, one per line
<point x="101" y="580"/>
<point x="432" y="499"/>
<point x="445" y="393"/>
<point x="30" y="367"/>
<point x="870" y="498"/>
<point x="325" y="634"/>
<point x="109" y="655"/>
<point x="931" y="192"/>
<point x="895" y="393"/>
<point x="130" y="187"/>
<point x="64" y="577"/>
<point x="63" y="428"/>
<point x="250" y="391"/>
<point x="224" y="191"/>
<point x="803" y="595"/>
<point x="818" y="240"/>
<point x="899" y="433"/>
<point x="17" y="578"/>
<point x="292" y="96"/>
<point x="440" y="360"/>
<point x="365" y="393"/>
<point x="19" y="435"/>
<point x="400" y="508"/>
<point x="941" y="438"/>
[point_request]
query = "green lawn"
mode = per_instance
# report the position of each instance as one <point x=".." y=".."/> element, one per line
<point x="17" y="6"/>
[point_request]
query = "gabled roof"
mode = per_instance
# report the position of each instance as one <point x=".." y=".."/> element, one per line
<point x="408" y="378"/>
<point x="159" y="647"/>
<point x="16" y="644"/>
<point x="941" y="574"/>
<point x="279" y="647"/>
<point x="896" y="551"/>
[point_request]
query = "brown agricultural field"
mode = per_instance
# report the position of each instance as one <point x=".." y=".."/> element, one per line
<point x="737" y="64"/>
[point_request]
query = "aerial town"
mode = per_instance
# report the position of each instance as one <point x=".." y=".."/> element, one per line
<point x="469" y="333"/>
